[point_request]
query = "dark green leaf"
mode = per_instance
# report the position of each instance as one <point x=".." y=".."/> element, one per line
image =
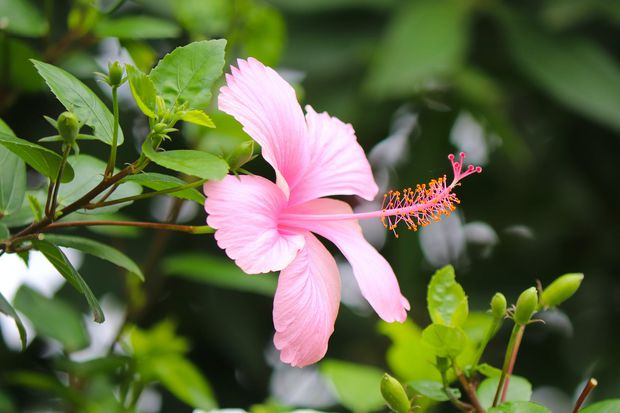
<point x="206" y="17"/>
<point x="142" y="89"/>
<point x="519" y="389"/>
<point x="43" y="382"/>
<point x="12" y="178"/>
<point x="21" y="75"/>
<point x="41" y="159"/>
<point x="137" y="27"/>
<point x="23" y="18"/>
<point x="425" y="42"/>
<point x="188" y="73"/>
<point x="446" y="341"/>
<point x="160" y="182"/>
<point x="219" y="272"/>
<point x="447" y="302"/>
<point x="357" y="386"/>
<point x="97" y="249"/>
<point x="53" y="318"/>
<point x="520" y="407"/>
<point x="58" y="259"/>
<point x="196" y="163"/>
<point x="79" y="99"/>
<point x="24" y="215"/>
<point x="7" y="309"/>
<point x="605" y="406"/>
<point x="433" y="390"/>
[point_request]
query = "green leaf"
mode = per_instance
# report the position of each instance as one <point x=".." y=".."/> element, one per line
<point x="196" y="163"/>
<point x="89" y="172"/>
<point x="264" y="33"/>
<point x="207" y="17"/>
<point x="53" y="318"/>
<point x="576" y="72"/>
<point x="447" y="302"/>
<point x="519" y="389"/>
<point x="183" y="380"/>
<point x="521" y="407"/>
<point x="12" y="179"/>
<point x="159" y="182"/>
<point x="58" y="259"/>
<point x="219" y="272"/>
<point x="446" y="341"/>
<point x="487" y="370"/>
<point x="23" y="18"/>
<point x="433" y="390"/>
<point x="605" y="406"/>
<point x="425" y="42"/>
<point x="142" y="89"/>
<point x="76" y="97"/>
<point x="356" y="386"/>
<point x="97" y="249"/>
<point x="4" y="232"/>
<point x="21" y="75"/>
<point x="7" y="309"/>
<point x="188" y="73"/>
<point x="137" y="27"/>
<point x="197" y="117"/>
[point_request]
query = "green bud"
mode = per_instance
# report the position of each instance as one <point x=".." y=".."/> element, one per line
<point x="160" y="105"/>
<point x="527" y="304"/>
<point x="115" y="74"/>
<point x="241" y="155"/>
<point x="560" y="290"/>
<point x="394" y="394"/>
<point x="498" y="306"/>
<point x="68" y="127"/>
<point x="160" y="128"/>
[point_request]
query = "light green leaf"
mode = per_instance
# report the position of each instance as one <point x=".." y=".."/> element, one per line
<point x="356" y="386"/>
<point x="487" y="370"/>
<point x="142" y="89"/>
<point x="4" y="232"/>
<point x="446" y="341"/>
<point x="58" y="259"/>
<point x="219" y="272"/>
<point x="447" y="302"/>
<point x="97" y="249"/>
<point x="41" y="159"/>
<point x="605" y="406"/>
<point x="12" y="178"/>
<point x="196" y="163"/>
<point x="23" y="18"/>
<point x="425" y="42"/>
<point x="53" y="318"/>
<point x="159" y="182"/>
<point x="137" y="27"/>
<point x="519" y="389"/>
<point x="197" y="117"/>
<point x="7" y="309"/>
<point x="79" y="99"/>
<point x="433" y="390"/>
<point x="89" y="172"/>
<point x="263" y="34"/>
<point x="576" y="72"/>
<point x="520" y="407"/>
<point x="188" y="73"/>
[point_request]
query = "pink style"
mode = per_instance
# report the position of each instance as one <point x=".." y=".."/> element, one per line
<point x="266" y="226"/>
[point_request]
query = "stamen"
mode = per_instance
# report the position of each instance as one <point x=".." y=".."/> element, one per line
<point x="426" y="203"/>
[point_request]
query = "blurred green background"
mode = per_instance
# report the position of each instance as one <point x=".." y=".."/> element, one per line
<point x="530" y="90"/>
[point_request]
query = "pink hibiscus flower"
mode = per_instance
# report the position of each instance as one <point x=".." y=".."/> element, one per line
<point x="266" y="226"/>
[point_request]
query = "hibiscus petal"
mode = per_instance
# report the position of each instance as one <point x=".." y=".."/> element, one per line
<point x="266" y="106"/>
<point x="245" y="211"/>
<point x="373" y="273"/>
<point x="306" y="304"/>
<point x="338" y="163"/>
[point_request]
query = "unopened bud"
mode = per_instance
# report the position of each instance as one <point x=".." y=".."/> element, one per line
<point x="394" y="394"/>
<point x="115" y="73"/>
<point x="241" y="155"/>
<point x="160" y="128"/>
<point x="68" y="127"/>
<point x="498" y="306"/>
<point x="560" y="290"/>
<point x="527" y="303"/>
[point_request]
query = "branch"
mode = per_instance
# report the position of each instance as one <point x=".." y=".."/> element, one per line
<point x="192" y="229"/>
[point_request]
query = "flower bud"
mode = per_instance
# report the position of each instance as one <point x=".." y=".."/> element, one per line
<point x="241" y="155"/>
<point x="68" y="127"/>
<point x="498" y="306"/>
<point x="527" y="303"/>
<point x="560" y="290"/>
<point x="160" y="128"/>
<point x="394" y="394"/>
<point x="115" y="74"/>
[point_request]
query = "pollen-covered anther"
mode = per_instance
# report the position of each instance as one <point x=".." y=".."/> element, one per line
<point x="428" y="202"/>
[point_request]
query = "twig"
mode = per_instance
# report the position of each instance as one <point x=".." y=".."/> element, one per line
<point x="590" y="385"/>
<point x="192" y="229"/>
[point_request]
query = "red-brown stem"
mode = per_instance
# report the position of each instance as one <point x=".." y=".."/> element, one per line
<point x="192" y="229"/>
<point x="513" y="359"/>
<point x="590" y="385"/>
<point x="471" y="392"/>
